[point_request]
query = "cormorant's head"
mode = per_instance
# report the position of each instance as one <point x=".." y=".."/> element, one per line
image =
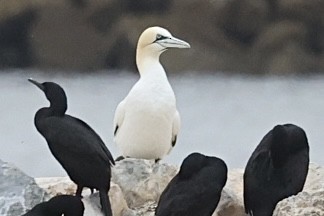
<point x="279" y="147"/>
<point x="54" y="93"/>
<point x="66" y="204"/>
<point x="220" y="168"/>
<point x="62" y="204"/>
<point x="192" y="164"/>
<point x="157" y="40"/>
<point x="287" y="139"/>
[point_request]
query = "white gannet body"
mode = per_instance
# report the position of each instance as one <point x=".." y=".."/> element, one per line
<point x="147" y="122"/>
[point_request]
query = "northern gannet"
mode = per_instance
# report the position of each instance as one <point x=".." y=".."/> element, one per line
<point x="147" y="122"/>
<point x="276" y="170"/>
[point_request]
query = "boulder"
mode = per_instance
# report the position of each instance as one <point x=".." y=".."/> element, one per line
<point x="315" y="178"/>
<point x="302" y="204"/>
<point x="281" y="48"/>
<point x="231" y="202"/>
<point x="18" y="192"/>
<point x="308" y="202"/>
<point x="56" y="185"/>
<point x="63" y="185"/>
<point x="243" y="20"/>
<point x="15" y="47"/>
<point x="136" y="187"/>
<point x="142" y="181"/>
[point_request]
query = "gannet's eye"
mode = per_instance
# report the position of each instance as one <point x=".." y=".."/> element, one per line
<point x="160" y="37"/>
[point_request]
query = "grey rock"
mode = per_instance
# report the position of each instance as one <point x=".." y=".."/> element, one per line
<point x="148" y="209"/>
<point x="142" y="180"/>
<point x="18" y="192"/>
<point x="136" y="187"/>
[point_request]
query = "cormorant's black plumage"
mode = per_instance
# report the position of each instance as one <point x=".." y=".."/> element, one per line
<point x="62" y="204"/>
<point x="276" y="170"/>
<point x="76" y="146"/>
<point x="196" y="189"/>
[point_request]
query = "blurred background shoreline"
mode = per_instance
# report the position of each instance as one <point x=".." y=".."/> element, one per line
<point x="233" y="36"/>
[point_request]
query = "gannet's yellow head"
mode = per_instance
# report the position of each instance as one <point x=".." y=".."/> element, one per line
<point x="156" y="40"/>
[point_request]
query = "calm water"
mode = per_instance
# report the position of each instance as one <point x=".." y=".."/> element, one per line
<point x="225" y="116"/>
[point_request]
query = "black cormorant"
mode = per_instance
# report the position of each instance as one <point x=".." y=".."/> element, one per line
<point x="58" y="205"/>
<point x="276" y="170"/>
<point x="196" y="189"/>
<point x="76" y="146"/>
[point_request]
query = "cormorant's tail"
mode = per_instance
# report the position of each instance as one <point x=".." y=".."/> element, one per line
<point x="105" y="203"/>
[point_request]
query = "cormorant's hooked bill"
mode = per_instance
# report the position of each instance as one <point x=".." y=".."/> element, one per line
<point x="39" y="85"/>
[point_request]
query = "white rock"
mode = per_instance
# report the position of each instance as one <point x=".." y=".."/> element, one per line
<point x="137" y="184"/>
<point x="231" y="202"/>
<point x="142" y="180"/>
<point x="57" y="185"/>
<point x="302" y="204"/>
<point x="148" y="209"/>
<point x="315" y="178"/>
<point x="63" y="185"/>
<point x="308" y="202"/>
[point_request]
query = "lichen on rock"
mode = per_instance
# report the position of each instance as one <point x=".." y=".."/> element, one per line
<point x="18" y="192"/>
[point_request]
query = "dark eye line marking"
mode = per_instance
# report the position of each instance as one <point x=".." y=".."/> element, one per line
<point x="159" y="37"/>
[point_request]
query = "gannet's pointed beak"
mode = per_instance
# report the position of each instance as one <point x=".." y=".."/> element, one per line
<point x="172" y="42"/>
<point x="39" y="85"/>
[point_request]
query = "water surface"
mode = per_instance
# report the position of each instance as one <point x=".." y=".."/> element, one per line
<point x="225" y="116"/>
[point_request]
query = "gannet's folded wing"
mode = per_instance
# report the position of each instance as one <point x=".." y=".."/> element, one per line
<point x="175" y="128"/>
<point x="119" y="117"/>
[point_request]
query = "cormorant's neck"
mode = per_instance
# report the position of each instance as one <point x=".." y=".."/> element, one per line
<point x="44" y="113"/>
<point x="58" y="101"/>
<point x="58" y="108"/>
<point x="148" y="64"/>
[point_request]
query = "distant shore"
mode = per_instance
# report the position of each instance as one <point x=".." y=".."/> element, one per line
<point x="250" y="36"/>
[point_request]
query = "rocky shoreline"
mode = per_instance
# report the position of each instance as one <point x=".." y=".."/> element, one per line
<point x="253" y="36"/>
<point x="136" y="186"/>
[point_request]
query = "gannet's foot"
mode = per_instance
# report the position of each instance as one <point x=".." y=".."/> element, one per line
<point x="119" y="158"/>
